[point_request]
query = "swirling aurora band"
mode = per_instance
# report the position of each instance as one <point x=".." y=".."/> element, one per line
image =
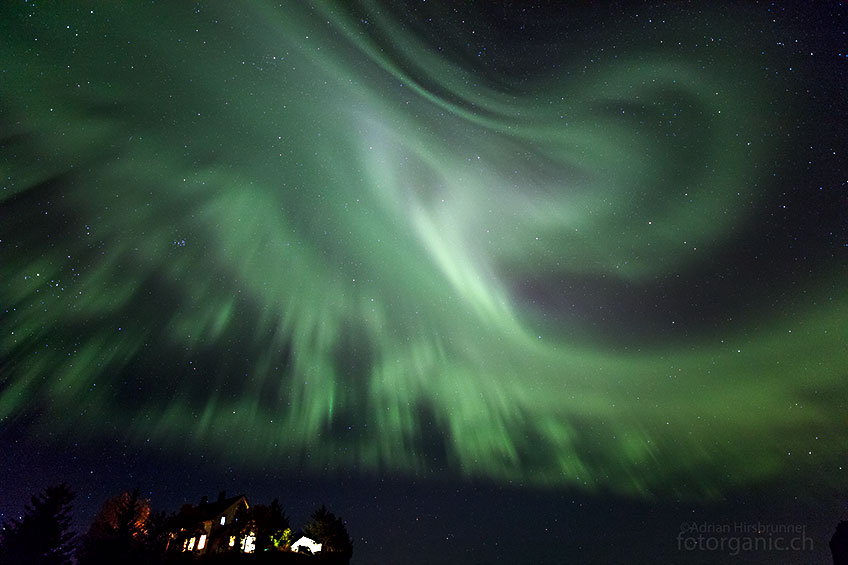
<point x="308" y="237"/>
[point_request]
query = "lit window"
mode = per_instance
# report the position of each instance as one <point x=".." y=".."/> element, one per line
<point x="249" y="544"/>
<point x="223" y="520"/>
<point x="232" y="541"/>
<point x="201" y="543"/>
<point x="185" y="544"/>
<point x="191" y="544"/>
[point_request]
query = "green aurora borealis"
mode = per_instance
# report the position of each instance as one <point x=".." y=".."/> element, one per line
<point x="333" y="238"/>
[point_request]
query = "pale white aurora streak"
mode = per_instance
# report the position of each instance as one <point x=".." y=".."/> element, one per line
<point x="302" y="237"/>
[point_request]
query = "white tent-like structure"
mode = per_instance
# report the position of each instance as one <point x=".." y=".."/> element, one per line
<point x="304" y="541"/>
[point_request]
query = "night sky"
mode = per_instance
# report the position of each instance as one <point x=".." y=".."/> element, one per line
<point x="493" y="281"/>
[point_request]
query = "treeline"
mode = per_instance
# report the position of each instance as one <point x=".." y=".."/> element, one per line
<point x="128" y="531"/>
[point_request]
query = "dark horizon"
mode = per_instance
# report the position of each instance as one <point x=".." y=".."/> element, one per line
<point x="429" y="519"/>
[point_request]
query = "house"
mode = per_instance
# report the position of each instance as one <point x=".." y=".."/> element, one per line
<point x="305" y="542"/>
<point x="213" y="527"/>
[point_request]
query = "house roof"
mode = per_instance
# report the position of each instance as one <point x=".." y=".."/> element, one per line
<point x="209" y="510"/>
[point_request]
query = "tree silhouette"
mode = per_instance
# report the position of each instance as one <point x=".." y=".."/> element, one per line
<point x="330" y="532"/>
<point x="119" y="532"/>
<point x="43" y="536"/>
<point x="272" y="532"/>
<point x="839" y="544"/>
<point x="159" y="528"/>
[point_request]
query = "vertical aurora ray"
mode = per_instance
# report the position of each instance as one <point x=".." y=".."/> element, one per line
<point x="310" y="237"/>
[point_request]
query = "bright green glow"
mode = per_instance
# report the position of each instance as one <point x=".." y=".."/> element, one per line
<point x="265" y="244"/>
